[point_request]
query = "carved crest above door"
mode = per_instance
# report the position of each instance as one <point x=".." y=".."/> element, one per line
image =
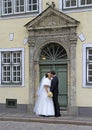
<point x="51" y="18"/>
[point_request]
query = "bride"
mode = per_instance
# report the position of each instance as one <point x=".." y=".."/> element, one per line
<point x="44" y="104"/>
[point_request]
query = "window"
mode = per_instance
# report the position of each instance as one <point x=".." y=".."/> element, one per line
<point x="85" y="2"/>
<point x="67" y="4"/>
<point x="53" y="52"/>
<point x="12" y="67"/>
<point x="11" y="103"/>
<point x="19" y="6"/>
<point x="10" y="7"/>
<point x="32" y="5"/>
<point x="70" y="3"/>
<point x="87" y="65"/>
<point x="7" y="7"/>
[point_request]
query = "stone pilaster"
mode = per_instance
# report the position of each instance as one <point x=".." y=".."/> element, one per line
<point x="72" y="92"/>
<point x="31" y="76"/>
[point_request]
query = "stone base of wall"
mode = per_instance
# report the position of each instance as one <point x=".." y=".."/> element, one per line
<point x="72" y="111"/>
<point x="21" y="108"/>
<point x="79" y="111"/>
<point x="30" y="108"/>
<point x="85" y="111"/>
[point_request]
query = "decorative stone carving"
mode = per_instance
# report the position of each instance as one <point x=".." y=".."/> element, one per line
<point x="51" y="18"/>
<point x="31" y="43"/>
<point x="52" y="26"/>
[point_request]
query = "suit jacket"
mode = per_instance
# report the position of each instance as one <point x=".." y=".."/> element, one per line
<point x="54" y="85"/>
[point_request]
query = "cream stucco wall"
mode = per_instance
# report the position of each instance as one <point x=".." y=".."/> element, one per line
<point x="16" y="26"/>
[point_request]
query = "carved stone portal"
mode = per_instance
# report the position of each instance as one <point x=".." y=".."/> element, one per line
<point x="53" y="26"/>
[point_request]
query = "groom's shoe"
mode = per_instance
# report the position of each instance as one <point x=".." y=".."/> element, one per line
<point x="58" y="115"/>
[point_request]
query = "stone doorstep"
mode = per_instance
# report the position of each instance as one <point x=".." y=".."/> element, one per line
<point x="49" y="120"/>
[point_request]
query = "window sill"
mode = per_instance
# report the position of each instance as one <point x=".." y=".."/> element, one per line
<point x="11" y="86"/>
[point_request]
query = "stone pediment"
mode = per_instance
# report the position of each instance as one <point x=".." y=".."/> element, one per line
<point x="51" y="18"/>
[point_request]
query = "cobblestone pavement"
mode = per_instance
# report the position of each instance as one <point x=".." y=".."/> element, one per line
<point x="10" y="125"/>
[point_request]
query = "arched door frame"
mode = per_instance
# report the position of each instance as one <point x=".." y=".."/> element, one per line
<point x="34" y="52"/>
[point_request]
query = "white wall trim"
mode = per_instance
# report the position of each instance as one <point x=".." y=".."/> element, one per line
<point x="40" y="6"/>
<point x="60" y="4"/>
<point x="84" y="85"/>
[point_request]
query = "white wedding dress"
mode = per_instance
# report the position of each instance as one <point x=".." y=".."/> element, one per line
<point x="44" y="104"/>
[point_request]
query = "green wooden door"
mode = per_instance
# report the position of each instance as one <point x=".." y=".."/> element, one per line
<point x="61" y="71"/>
<point x="54" y="57"/>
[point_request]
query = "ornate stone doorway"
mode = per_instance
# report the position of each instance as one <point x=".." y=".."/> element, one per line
<point x="52" y="26"/>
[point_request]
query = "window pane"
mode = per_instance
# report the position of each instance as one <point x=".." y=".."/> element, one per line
<point x="90" y="79"/>
<point x="34" y="1"/>
<point x="90" y="54"/>
<point x="32" y="5"/>
<point x="6" y="58"/>
<point x="6" y="73"/>
<point x="73" y="2"/>
<point x="19" y="6"/>
<point x="82" y="2"/>
<point x="89" y="65"/>
<point x="86" y="2"/>
<point x="90" y="51"/>
<point x="16" y="57"/>
<point x="21" y="9"/>
<point x="90" y="58"/>
<point x="16" y="74"/>
<point x="90" y="72"/>
<point x="70" y="3"/>
<point x="21" y="2"/>
<point x="7" y="6"/>
<point x="17" y="67"/>
<point x="89" y="1"/>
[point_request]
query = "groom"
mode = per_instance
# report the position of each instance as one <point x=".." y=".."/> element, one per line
<point x="54" y="90"/>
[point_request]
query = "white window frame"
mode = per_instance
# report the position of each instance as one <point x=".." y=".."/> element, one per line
<point x="15" y="8"/>
<point x="84" y="4"/>
<point x="84" y="65"/>
<point x="3" y="8"/>
<point x="12" y="50"/>
<point x="64" y="3"/>
<point x="38" y="10"/>
<point x="62" y="6"/>
<point x="27" y="6"/>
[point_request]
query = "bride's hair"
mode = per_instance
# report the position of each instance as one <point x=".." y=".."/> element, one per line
<point x="46" y="75"/>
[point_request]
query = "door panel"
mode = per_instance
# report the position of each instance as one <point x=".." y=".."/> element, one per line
<point x="61" y="71"/>
<point x="44" y="69"/>
<point x="62" y="76"/>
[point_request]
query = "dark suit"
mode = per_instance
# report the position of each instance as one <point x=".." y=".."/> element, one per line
<point x="54" y="90"/>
